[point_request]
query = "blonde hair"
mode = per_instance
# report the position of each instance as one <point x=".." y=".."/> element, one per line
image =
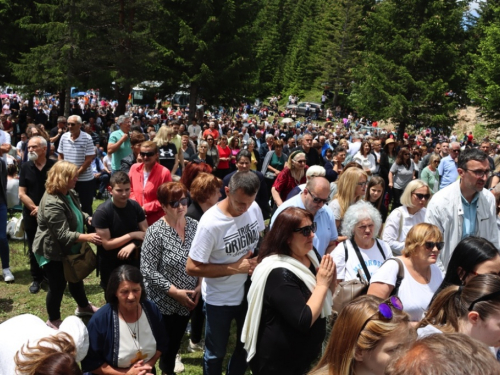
<point x="163" y="136"/>
<point x="59" y="176"/>
<point x="418" y="235"/>
<point x="359" y="328"/>
<point x="410" y="188"/>
<point x="346" y="185"/>
<point x="53" y="355"/>
<point x="296" y="174"/>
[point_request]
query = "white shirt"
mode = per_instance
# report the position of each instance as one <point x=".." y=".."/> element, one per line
<point x="128" y="347"/>
<point x="222" y="240"/>
<point x="393" y="235"/>
<point x="354" y="148"/>
<point x="414" y="295"/>
<point x="367" y="162"/>
<point x="372" y="258"/>
<point x="107" y="161"/>
<point x="194" y="130"/>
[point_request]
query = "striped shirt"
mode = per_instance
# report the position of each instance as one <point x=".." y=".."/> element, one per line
<point x="75" y="152"/>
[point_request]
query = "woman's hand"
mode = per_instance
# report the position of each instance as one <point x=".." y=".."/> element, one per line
<point x="93" y="238"/>
<point x="185" y="298"/>
<point x="327" y="271"/>
<point x="139" y="368"/>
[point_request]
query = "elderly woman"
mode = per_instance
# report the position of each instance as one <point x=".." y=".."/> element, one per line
<point x="60" y="232"/>
<point x="361" y="251"/>
<point x="430" y="174"/>
<point x="365" y="337"/>
<point x="289" y="299"/>
<point x="127" y="335"/>
<point x="293" y="174"/>
<point x="163" y="264"/>
<point x="414" y="202"/>
<point x="400" y="175"/>
<point x="186" y="149"/>
<point x="422" y="275"/>
<point x="202" y="155"/>
<point x="168" y="156"/>
<point x="145" y="178"/>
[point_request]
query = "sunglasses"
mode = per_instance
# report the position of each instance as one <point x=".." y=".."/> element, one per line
<point x="148" y="154"/>
<point x="385" y="310"/>
<point x="422" y="196"/>
<point x="430" y="245"/>
<point x="317" y="199"/>
<point x="184" y="201"/>
<point x="300" y="161"/>
<point x="72" y="123"/>
<point x="307" y="230"/>
<point x="484" y="298"/>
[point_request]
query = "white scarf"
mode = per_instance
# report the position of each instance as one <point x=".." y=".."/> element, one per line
<point x="256" y="293"/>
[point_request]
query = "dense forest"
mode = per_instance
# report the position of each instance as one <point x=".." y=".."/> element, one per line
<point x="413" y="61"/>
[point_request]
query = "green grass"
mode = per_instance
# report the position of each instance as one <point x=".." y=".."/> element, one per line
<point x="15" y="299"/>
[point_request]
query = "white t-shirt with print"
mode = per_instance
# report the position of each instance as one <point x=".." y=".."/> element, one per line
<point x="414" y="296"/>
<point x="372" y="258"/>
<point x="222" y="240"/>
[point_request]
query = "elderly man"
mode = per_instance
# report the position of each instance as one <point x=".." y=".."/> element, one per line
<point x="312" y="156"/>
<point x="32" y="179"/>
<point x="57" y="131"/>
<point x="313" y="199"/>
<point x="465" y="208"/>
<point x="119" y="143"/>
<point x="448" y="166"/>
<point x="77" y="147"/>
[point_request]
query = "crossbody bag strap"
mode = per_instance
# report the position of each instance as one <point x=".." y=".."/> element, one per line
<point x="361" y="260"/>
<point x="380" y="249"/>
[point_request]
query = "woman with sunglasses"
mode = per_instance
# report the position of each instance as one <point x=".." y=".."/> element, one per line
<point x="414" y="202"/>
<point x="472" y="309"/>
<point x="430" y="174"/>
<point x="292" y="175"/>
<point x="145" y="178"/>
<point x="473" y="256"/>
<point x="289" y="299"/>
<point x="163" y="265"/>
<point x="212" y="151"/>
<point x="422" y="276"/>
<point x="400" y="175"/>
<point x="368" y="333"/>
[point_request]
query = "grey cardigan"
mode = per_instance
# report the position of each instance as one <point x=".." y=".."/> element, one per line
<point x="57" y="223"/>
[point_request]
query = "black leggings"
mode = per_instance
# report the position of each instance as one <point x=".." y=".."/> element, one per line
<point x="396" y="197"/>
<point x="175" y="326"/>
<point x="57" y="283"/>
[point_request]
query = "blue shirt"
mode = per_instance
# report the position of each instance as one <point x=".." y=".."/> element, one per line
<point x="448" y="171"/>
<point x="470" y="215"/>
<point x="325" y="222"/>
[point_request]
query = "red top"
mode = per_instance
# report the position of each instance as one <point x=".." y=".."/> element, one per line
<point x="285" y="182"/>
<point x="223" y="153"/>
<point x="214" y="133"/>
<point x="146" y="195"/>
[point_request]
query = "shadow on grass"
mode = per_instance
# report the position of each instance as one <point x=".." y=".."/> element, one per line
<point x="6" y="304"/>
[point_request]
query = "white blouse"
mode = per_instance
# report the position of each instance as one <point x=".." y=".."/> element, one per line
<point x="394" y="234"/>
<point x="130" y="349"/>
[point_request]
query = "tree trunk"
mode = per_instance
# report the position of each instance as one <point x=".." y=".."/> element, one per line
<point x="193" y="96"/>
<point x="336" y="97"/>
<point x="62" y="100"/>
<point x="122" y="96"/>
<point x="67" y="101"/>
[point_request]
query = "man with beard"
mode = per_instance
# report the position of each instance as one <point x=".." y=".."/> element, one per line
<point x="31" y="189"/>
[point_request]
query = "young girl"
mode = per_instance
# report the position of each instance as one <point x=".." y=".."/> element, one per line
<point x="375" y="195"/>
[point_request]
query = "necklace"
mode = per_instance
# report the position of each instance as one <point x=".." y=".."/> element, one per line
<point x="134" y="332"/>
<point x="135" y="335"/>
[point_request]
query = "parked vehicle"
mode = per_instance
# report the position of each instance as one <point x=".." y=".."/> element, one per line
<point x="301" y="109"/>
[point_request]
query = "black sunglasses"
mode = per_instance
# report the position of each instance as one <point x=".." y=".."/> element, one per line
<point x="422" y="196"/>
<point x="317" y="199"/>
<point x="430" y="245"/>
<point x="184" y="201"/>
<point x="306" y="231"/>
<point x="148" y="154"/>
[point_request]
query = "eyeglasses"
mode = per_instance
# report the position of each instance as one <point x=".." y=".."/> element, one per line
<point x="317" y="199"/>
<point x="72" y="123"/>
<point x="385" y="310"/>
<point x="431" y="245"/>
<point x="436" y="162"/>
<point x="148" y="154"/>
<point x="479" y="173"/>
<point x="422" y="196"/>
<point x="175" y="204"/>
<point x="362" y="183"/>
<point x="452" y="150"/>
<point x="484" y="298"/>
<point x="307" y="230"/>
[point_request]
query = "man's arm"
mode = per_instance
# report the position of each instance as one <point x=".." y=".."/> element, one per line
<point x="109" y="243"/>
<point x="61" y="156"/>
<point x="244" y="265"/>
<point x="143" y="225"/>
<point x="330" y="247"/>
<point x="113" y="147"/>
<point x="27" y="201"/>
<point x="86" y="164"/>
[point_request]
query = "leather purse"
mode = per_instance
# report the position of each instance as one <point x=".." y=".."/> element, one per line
<point x="78" y="266"/>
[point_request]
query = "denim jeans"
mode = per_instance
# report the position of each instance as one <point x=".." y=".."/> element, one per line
<point x="4" y="245"/>
<point x="217" y="331"/>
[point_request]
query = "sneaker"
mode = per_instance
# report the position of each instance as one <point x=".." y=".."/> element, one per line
<point x="86" y="311"/>
<point x="179" y="366"/>
<point x="54" y="324"/>
<point x="198" y="347"/>
<point x="35" y="287"/>
<point x="8" y="277"/>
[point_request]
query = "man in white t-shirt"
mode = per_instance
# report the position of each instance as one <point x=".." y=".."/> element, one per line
<point x="194" y="131"/>
<point x="227" y="236"/>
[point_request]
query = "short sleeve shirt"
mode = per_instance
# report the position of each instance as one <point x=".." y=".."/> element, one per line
<point x="221" y="240"/>
<point x="33" y="179"/>
<point x="76" y="151"/>
<point x="123" y="151"/>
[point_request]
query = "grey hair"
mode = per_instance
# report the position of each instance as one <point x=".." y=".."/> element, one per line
<point x="202" y="143"/>
<point x="41" y="141"/>
<point x="357" y="212"/>
<point x="77" y="118"/>
<point x="248" y="182"/>
<point x="121" y="118"/>
<point x="268" y="136"/>
<point x="61" y="119"/>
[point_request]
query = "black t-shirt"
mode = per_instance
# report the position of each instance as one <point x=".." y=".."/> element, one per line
<point x="53" y="133"/>
<point x="167" y="155"/>
<point x="119" y="221"/>
<point x="33" y="180"/>
<point x="312" y="157"/>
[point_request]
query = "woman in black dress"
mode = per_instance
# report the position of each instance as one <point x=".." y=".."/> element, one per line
<point x="289" y="299"/>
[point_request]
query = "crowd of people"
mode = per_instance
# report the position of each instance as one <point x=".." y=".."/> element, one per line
<point x="260" y="222"/>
